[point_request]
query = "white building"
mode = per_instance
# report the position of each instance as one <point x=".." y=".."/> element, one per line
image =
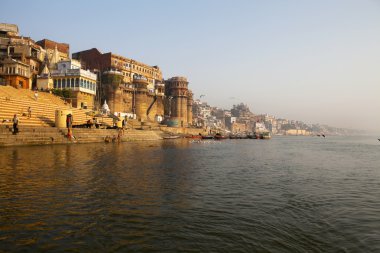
<point x="69" y="75"/>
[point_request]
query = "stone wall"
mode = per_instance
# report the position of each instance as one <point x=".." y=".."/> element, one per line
<point x="185" y="130"/>
<point x="81" y="97"/>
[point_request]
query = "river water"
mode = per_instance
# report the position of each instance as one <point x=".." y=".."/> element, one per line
<point x="287" y="194"/>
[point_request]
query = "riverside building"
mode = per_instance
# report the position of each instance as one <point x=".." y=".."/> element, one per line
<point x="25" y="53"/>
<point x="180" y="101"/>
<point x="131" y="88"/>
<point x="69" y="75"/>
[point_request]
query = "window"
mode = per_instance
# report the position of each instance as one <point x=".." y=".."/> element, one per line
<point x="76" y="82"/>
<point x="55" y="83"/>
<point x="59" y="84"/>
<point x="64" y="83"/>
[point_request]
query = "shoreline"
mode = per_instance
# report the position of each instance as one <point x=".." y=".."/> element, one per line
<point x="38" y="136"/>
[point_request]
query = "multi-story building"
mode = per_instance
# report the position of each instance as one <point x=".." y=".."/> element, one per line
<point x="82" y="83"/>
<point x="14" y="73"/>
<point x="27" y="51"/>
<point x="130" y="87"/>
<point x="22" y="49"/>
<point x="93" y="59"/>
<point x="55" y="51"/>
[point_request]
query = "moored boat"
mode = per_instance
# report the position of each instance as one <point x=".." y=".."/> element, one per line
<point x="207" y="137"/>
<point x="171" y="137"/>
<point x="219" y="137"/>
<point x="194" y="136"/>
<point x="265" y="136"/>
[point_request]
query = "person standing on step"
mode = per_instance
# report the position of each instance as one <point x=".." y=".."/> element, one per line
<point x="69" y="124"/>
<point x="15" y="124"/>
<point x="29" y="112"/>
<point x="36" y="95"/>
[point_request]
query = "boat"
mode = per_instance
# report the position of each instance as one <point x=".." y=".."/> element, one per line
<point x="171" y="137"/>
<point x="265" y="136"/>
<point x="191" y="136"/>
<point x="243" y="136"/>
<point x="218" y="136"/>
<point x="207" y="137"/>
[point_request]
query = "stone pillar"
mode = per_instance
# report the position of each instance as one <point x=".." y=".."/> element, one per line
<point x="189" y="108"/>
<point x="141" y="98"/>
<point x="184" y="109"/>
<point x="176" y="88"/>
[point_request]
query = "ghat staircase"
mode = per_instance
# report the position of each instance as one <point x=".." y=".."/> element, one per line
<point x="16" y="101"/>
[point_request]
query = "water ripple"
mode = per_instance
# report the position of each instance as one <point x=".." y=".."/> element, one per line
<point x="284" y="195"/>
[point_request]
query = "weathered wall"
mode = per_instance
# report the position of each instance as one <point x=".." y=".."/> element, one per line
<point x="185" y="130"/>
<point x="84" y="98"/>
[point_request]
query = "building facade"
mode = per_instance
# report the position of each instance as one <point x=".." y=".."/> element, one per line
<point x="26" y="51"/>
<point x="82" y="83"/>
<point x="180" y="100"/>
<point x="14" y="73"/>
<point x="131" y="88"/>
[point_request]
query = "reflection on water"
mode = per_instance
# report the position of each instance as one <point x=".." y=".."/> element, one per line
<point x="284" y="195"/>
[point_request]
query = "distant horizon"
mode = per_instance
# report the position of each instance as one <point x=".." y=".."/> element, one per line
<point x="313" y="62"/>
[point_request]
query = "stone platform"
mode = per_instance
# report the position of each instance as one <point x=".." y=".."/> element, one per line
<point x="51" y="135"/>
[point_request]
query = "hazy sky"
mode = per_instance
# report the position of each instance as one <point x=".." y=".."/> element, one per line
<point x="316" y="61"/>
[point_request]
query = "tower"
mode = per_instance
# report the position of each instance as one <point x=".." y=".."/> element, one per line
<point x="176" y="89"/>
<point x="141" y="104"/>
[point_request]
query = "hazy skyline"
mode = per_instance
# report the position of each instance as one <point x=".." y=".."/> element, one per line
<point x="314" y="61"/>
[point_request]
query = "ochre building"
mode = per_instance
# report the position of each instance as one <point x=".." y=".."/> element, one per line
<point x="131" y="88"/>
<point x="180" y="101"/>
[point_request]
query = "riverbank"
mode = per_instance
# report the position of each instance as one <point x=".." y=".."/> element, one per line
<point x="50" y="135"/>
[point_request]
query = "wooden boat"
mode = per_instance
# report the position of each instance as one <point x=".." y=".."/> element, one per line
<point x="198" y="137"/>
<point x="171" y="137"/>
<point x="219" y="137"/>
<point x="265" y="136"/>
<point x="207" y="137"/>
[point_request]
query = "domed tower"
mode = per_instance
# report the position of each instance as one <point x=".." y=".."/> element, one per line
<point x="141" y="106"/>
<point x="176" y="89"/>
<point x="190" y="107"/>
